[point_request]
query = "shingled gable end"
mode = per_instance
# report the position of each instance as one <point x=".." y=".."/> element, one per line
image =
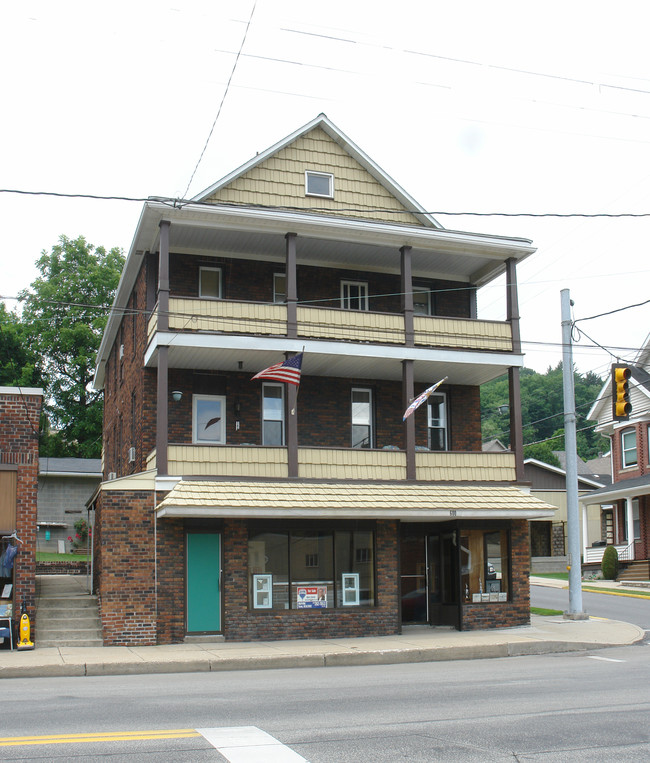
<point x="257" y="510"/>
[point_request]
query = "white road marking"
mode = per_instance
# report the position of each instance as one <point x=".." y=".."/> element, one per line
<point x="248" y="744"/>
<point x="604" y="659"/>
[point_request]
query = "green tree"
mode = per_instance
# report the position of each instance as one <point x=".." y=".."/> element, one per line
<point x="542" y="451"/>
<point x="542" y="409"/>
<point x="64" y="313"/>
<point x="20" y="364"/>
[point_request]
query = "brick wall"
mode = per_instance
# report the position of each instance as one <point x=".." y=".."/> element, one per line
<point x="124" y="567"/>
<point x="517" y="610"/>
<point x="19" y="428"/>
<point x="246" y="280"/>
<point x="242" y="624"/>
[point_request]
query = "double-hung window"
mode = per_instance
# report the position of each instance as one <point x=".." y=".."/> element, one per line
<point x="272" y="414"/>
<point x="354" y="295"/>
<point x="421" y="300"/>
<point x="279" y="287"/>
<point x="210" y="283"/>
<point x="437" y="421"/>
<point x="208" y="419"/>
<point x="362" y="418"/>
<point x="628" y="448"/>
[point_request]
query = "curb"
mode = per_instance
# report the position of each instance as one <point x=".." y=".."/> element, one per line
<point x="332" y="659"/>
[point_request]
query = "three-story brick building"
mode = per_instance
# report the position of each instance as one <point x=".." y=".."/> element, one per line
<point x="257" y="509"/>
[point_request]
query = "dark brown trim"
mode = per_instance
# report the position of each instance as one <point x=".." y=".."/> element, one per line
<point x="516" y="424"/>
<point x="163" y="277"/>
<point x="407" y="395"/>
<point x="292" y="288"/>
<point x="292" y="431"/>
<point x="162" y="413"/>
<point x="512" y="300"/>
<point x="407" y="294"/>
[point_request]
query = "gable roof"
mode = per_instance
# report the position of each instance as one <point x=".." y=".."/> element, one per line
<point x="321" y="122"/>
<point x="587" y="481"/>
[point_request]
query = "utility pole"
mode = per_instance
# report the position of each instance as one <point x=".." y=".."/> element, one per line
<point x="575" y="611"/>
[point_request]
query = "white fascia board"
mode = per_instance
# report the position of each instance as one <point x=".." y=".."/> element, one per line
<point x="89" y="475"/>
<point x="614" y="495"/>
<point x="406" y="515"/>
<point x="35" y="391"/>
<point x="280" y="345"/>
<point x="352" y="230"/>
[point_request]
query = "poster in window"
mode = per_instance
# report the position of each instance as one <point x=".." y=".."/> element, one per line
<point x="263" y="591"/>
<point x="312" y="597"/>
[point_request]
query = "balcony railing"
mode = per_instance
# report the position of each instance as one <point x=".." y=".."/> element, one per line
<point x="232" y="317"/>
<point x="334" y="463"/>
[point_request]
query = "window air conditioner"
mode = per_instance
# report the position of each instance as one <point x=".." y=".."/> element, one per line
<point x="131" y="455"/>
<point x="121" y="351"/>
<point x="112" y="475"/>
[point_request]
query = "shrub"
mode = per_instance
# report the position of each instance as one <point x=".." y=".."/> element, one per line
<point x="609" y="564"/>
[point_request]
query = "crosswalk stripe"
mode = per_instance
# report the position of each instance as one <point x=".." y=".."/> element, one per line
<point x="246" y="744"/>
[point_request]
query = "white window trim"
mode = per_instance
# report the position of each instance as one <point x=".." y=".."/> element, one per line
<point x="364" y="297"/>
<point x="443" y="423"/>
<point x="315" y="173"/>
<point x="210" y="296"/>
<point x="195" y="400"/>
<point x="625" y="450"/>
<point x="275" y="300"/>
<point x="421" y="289"/>
<point x="371" y="424"/>
<point x="267" y="385"/>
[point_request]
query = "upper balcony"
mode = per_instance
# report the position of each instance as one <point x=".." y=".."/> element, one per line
<point x="191" y="315"/>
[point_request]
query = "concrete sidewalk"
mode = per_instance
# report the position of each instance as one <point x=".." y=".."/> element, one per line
<point x="607" y="586"/>
<point x="416" y="644"/>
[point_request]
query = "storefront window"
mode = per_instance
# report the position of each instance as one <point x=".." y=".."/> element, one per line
<point x="311" y="569"/>
<point x="484" y="565"/>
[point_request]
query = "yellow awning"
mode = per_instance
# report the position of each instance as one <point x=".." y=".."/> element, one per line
<point x="409" y="502"/>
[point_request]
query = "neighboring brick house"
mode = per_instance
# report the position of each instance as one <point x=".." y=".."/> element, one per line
<point x="20" y="410"/>
<point x="625" y="504"/>
<point x="261" y="510"/>
<point x="65" y="485"/>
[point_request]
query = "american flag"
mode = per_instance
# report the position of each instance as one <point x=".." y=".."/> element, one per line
<point x="417" y="402"/>
<point x="288" y="371"/>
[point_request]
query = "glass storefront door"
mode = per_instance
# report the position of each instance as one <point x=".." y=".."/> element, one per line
<point x="430" y="578"/>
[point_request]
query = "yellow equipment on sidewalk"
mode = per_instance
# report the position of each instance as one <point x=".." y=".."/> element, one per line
<point x="24" y="641"/>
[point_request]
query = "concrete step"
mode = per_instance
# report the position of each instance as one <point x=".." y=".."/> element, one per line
<point x="77" y="602"/>
<point x="43" y="643"/>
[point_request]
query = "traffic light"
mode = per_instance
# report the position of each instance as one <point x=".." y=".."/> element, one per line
<point x="621" y="406"/>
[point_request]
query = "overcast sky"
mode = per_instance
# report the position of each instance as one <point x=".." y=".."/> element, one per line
<point x="514" y="107"/>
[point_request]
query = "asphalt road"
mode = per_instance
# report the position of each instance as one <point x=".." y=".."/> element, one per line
<point x="578" y="707"/>
<point x="625" y="608"/>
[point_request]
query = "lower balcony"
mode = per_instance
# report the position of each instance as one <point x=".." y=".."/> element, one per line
<point x="261" y="462"/>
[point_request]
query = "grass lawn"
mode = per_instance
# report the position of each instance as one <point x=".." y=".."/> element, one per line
<point x="47" y="556"/>
<point x="542" y="611"/>
<point x="554" y="575"/>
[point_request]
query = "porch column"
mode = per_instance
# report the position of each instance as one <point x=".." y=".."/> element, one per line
<point x="292" y="431"/>
<point x="162" y="410"/>
<point x="292" y="287"/>
<point x="163" y="277"/>
<point x="629" y="521"/>
<point x="407" y="294"/>
<point x="516" y="426"/>
<point x="585" y="531"/>
<point x="408" y="395"/>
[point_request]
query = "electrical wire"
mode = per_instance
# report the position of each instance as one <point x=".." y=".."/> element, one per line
<point x="223" y="98"/>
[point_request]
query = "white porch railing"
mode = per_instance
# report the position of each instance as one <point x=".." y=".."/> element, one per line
<point x="595" y="555"/>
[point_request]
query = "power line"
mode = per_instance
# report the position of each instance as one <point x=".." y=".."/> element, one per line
<point x="178" y="203"/>
<point x="223" y="98"/>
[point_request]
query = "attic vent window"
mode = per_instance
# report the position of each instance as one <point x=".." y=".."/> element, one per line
<point x="319" y="184"/>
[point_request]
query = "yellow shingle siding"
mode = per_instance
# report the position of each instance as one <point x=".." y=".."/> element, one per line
<point x="280" y="182"/>
<point x="349" y="496"/>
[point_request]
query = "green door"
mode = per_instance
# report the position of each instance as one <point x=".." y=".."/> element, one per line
<point x="203" y="556"/>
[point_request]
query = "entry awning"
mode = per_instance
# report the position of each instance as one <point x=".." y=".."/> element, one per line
<point x="350" y="500"/>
